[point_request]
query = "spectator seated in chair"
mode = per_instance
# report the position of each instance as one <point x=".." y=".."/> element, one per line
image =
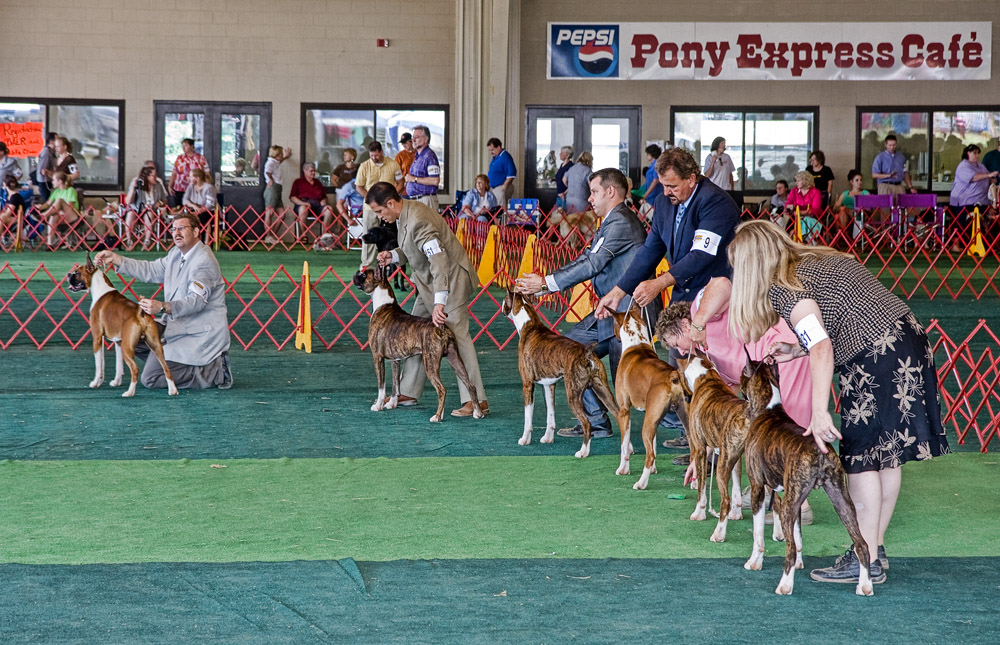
<point x="62" y="207"/>
<point x="13" y="204"/>
<point x="479" y="202"/>
<point x="145" y="195"/>
<point x="309" y="197"/>
<point x="200" y="196"/>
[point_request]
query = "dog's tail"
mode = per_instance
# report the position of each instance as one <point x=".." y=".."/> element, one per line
<point x="598" y="379"/>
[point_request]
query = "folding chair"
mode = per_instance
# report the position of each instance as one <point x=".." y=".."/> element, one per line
<point x="925" y="202"/>
<point x="869" y="203"/>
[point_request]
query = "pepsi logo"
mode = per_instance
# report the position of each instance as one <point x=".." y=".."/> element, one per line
<point x="596" y="59"/>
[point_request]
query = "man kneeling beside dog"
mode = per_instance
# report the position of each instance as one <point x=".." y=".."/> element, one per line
<point x="194" y="326"/>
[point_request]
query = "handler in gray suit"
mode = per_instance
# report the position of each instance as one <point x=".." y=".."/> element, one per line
<point x="618" y="239"/>
<point x="193" y="322"/>
<point x="445" y="282"/>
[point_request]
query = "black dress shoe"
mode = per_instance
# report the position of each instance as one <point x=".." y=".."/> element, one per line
<point x="577" y="431"/>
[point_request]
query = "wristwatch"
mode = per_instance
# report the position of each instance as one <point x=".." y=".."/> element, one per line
<point x="163" y="307"/>
<point x="697" y="326"/>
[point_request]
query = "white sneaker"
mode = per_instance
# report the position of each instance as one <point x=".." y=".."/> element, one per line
<point x="270" y="240"/>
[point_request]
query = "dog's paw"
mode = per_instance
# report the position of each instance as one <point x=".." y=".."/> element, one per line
<point x="755" y="562"/>
<point x="640" y="485"/>
<point x="477" y="415"/>
<point x="719" y="535"/>
<point x="171" y="389"/>
<point x="525" y="440"/>
<point x="436" y="418"/>
<point x="127" y="394"/>
<point x="583" y="452"/>
<point x="116" y="382"/>
<point x="622" y="470"/>
<point x="392" y="404"/>
<point x="865" y="589"/>
<point x="377" y="406"/>
<point x="698" y="515"/>
<point x="736" y="513"/>
<point x="96" y="383"/>
<point x="549" y="436"/>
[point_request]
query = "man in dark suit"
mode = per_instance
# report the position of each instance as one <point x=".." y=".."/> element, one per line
<point x="693" y="223"/>
<point x="612" y="249"/>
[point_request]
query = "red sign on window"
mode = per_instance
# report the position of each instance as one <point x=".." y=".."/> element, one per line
<point x="23" y="139"/>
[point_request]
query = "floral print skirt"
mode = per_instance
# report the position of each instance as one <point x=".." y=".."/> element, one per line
<point x="890" y="412"/>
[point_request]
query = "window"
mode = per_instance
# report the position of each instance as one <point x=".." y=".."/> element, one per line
<point x="92" y="127"/>
<point x="328" y="130"/>
<point x="931" y="140"/>
<point x="765" y="144"/>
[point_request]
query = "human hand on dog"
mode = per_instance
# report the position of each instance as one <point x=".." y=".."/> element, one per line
<point x="384" y="258"/>
<point x="784" y="352"/>
<point x="822" y="430"/>
<point x="438" y="316"/>
<point x="691" y="476"/>
<point x="150" y="306"/>
<point x="107" y="258"/>
<point x="530" y="284"/>
<point x="609" y="303"/>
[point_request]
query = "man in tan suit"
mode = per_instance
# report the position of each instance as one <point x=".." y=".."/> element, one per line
<point x="375" y="169"/>
<point x="445" y="282"/>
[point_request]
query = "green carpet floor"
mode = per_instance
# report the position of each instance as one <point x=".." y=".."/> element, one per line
<point x="926" y="600"/>
<point x="94" y="511"/>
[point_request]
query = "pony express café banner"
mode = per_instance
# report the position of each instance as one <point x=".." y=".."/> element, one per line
<point x="807" y="51"/>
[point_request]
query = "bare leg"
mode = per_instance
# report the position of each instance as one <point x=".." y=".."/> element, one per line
<point x="891" y="479"/>
<point x="866" y="491"/>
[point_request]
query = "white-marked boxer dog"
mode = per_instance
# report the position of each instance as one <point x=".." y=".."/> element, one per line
<point x="544" y="357"/>
<point x="646" y="383"/>
<point x="779" y="455"/>
<point x="115" y="317"/>
<point x="395" y="335"/>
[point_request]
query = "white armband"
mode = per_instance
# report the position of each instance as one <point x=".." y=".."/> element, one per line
<point x="431" y="248"/>
<point x="198" y="289"/>
<point x="706" y="241"/>
<point x="810" y="331"/>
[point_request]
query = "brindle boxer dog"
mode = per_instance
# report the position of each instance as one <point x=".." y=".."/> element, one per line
<point x="646" y="383"/>
<point x="778" y="455"/>
<point x="115" y="317"/>
<point x="544" y="357"/>
<point x="716" y="419"/>
<point x="394" y="334"/>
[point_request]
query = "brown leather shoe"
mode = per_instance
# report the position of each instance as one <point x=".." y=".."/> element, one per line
<point x="467" y="410"/>
<point x="683" y="460"/>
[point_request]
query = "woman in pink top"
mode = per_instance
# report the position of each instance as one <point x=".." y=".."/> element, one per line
<point x="705" y="323"/>
<point x="805" y="196"/>
<point x="678" y="326"/>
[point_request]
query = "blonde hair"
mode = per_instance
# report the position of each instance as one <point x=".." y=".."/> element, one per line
<point x="806" y="178"/>
<point x="275" y="151"/>
<point x="763" y="254"/>
<point x="585" y="158"/>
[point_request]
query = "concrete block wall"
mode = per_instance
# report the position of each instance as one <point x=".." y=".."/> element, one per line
<point x="283" y="51"/>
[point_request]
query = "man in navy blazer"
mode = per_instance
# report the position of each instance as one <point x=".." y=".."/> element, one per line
<point x="611" y="251"/>
<point x="693" y="223"/>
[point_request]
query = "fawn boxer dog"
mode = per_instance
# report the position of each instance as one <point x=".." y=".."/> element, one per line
<point x="643" y="382"/>
<point x="115" y="317"/>
<point x="779" y="455"/>
<point x="544" y="357"/>
<point x="394" y="334"/>
<point x="716" y="419"/>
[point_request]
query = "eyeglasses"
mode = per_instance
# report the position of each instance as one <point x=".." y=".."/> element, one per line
<point x="178" y="229"/>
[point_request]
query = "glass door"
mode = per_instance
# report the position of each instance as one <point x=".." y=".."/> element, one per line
<point x="610" y="134"/>
<point x="233" y="137"/>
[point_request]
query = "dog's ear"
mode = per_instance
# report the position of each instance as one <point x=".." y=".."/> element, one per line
<point x="90" y="264"/>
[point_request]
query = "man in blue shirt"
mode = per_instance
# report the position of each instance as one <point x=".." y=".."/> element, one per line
<point x="502" y="171"/>
<point x="889" y="169"/>
<point x="651" y="188"/>
<point x="425" y="174"/>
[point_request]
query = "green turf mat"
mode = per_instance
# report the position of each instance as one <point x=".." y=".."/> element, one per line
<point x="386" y="509"/>
<point x="283" y="404"/>
<point x="926" y="600"/>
